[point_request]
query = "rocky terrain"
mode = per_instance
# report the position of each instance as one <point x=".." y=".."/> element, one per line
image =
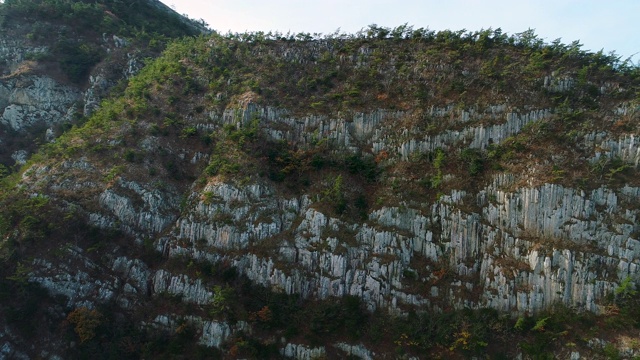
<point x="57" y="68"/>
<point x="396" y="193"/>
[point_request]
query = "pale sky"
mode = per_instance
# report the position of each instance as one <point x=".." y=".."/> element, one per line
<point x="598" y="24"/>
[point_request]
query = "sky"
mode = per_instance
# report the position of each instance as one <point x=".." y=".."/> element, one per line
<point x="609" y="25"/>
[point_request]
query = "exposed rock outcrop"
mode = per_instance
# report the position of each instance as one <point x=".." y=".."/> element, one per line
<point x="30" y="100"/>
<point x="516" y="248"/>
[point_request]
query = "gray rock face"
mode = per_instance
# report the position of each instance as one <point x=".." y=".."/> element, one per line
<point x="516" y="248"/>
<point x="211" y="333"/>
<point x="14" y="51"/>
<point x="20" y="157"/>
<point x="503" y="258"/>
<point x="104" y="78"/>
<point x="563" y="252"/>
<point x="75" y="278"/>
<point x="138" y="208"/>
<point x="227" y="217"/>
<point x="626" y="148"/>
<point x="359" y="351"/>
<point x="376" y="131"/>
<point x="29" y="100"/>
<point x="134" y="275"/>
<point x="190" y="291"/>
<point x="512" y="247"/>
<point x="302" y="352"/>
<point x="98" y="85"/>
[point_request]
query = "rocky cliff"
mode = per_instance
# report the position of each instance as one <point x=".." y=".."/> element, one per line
<point x="388" y="194"/>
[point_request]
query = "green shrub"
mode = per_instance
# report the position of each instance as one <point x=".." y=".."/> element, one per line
<point x="219" y="165"/>
<point x="473" y="159"/>
<point x="76" y="58"/>
<point x="364" y="166"/>
<point x="130" y="155"/>
<point x="189" y="132"/>
<point x="335" y="195"/>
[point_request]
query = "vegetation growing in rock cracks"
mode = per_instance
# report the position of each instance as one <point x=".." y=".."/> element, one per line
<point x="174" y="111"/>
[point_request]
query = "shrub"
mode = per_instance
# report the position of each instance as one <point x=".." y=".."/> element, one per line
<point x="130" y="155"/>
<point x="473" y="160"/>
<point x="189" y="132"/>
<point x="364" y="166"/>
<point x="335" y="195"/>
<point x="223" y="298"/>
<point x="76" y="59"/>
<point x="86" y="321"/>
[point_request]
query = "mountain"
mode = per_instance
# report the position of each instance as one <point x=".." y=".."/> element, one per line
<point x="395" y="193"/>
<point x="60" y="58"/>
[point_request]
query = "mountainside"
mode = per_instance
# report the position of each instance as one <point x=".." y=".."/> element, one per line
<point x="59" y="58"/>
<point x="397" y="193"/>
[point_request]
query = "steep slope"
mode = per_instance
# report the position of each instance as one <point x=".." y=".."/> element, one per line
<point x="58" y="59"/>
<point x="396" y="192"/>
